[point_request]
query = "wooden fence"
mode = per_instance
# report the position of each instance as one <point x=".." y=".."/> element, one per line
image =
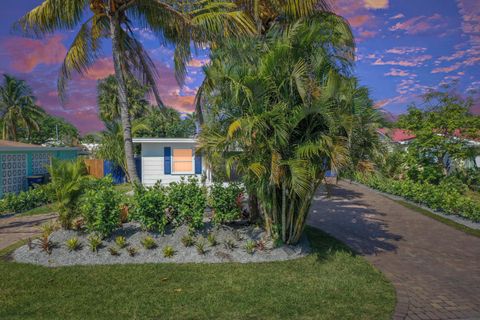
<point x="94" y="167"/>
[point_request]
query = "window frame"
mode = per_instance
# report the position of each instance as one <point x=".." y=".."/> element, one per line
<point x="173" y="161"/>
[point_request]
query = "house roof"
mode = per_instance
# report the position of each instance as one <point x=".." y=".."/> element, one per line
<point x="7" y="145"/>
<point x="396" y="134"/>
<point x="164" y="140"/>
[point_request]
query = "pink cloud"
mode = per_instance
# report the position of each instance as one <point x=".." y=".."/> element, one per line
<point x="198" y="63"/>
<point x="101" y="69"/>
<point x="376" y="4"/>
<point x="413" y="62"/>
<point x="357" y="21"/>
<point x="406" y="50"/>
<point x="399" y="73"/>
<point x="397" y="16"/>
<point x="419" y="24"/>
<point x="26" y="54"/>
<point x="447" y="69"/>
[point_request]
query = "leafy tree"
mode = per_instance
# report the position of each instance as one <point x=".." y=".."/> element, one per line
<point x="49" y="126"/>
<point x="176" y="23"/>
<point x="272" y="106"/>
<point x="442" y="129"/>
<point x="18" y="110"/>
<point x="167" y="123"/>
<point x="108" y="103"/>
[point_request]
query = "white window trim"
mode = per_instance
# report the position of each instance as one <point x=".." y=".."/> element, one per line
<point x="193" y="162"/>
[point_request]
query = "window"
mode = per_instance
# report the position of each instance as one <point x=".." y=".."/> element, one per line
<point x="182" y="161"/>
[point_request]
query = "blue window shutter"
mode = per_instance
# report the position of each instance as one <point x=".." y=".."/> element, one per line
<point x="167" y="156"/>
<point x="198" y="164"/>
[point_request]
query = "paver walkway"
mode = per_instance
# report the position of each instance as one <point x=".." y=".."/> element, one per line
<point x="14" y="228"/>
<point x="434" y="267"/>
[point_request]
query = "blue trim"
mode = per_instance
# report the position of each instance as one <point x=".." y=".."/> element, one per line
<point x="167" y="157"/>
<point x="198" y="164"/>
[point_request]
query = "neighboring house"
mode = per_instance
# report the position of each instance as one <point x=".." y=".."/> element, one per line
<point x="169" y="159"/>
<point x="400" y="137"/>
<point x="21" y="160"/>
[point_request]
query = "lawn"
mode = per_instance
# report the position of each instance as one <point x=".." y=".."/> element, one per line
<point x="332" y="283"/>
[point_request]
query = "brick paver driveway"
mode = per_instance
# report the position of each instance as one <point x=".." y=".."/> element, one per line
<point x="434" y="268"/>
<point x="14" y="228"/>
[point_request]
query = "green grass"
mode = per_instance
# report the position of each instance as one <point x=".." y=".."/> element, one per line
<point x="456" y="225"/>
<point x="332" y="283"/>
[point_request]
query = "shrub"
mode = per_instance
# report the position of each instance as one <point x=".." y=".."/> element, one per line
<point x="94" y="242"/>
<point x="168" y="252"/>
<point x="187" y="202"/>
<point x="148" y="243"/>
<point x="121" y="242"/>
<point x="224" y="201"/>
<point x="100" y="209"/>
<point x="250" y="246"/>
<point x="212" y="240"/>
<point x="25" y="200"/>
<point x="132" y="251"/>
<point x="46" y="244"/>
<point x="73" y="244"/>
<point x="201" y="247"/>
<point x="188" y="240"/>
<point x="68" y="181"/>
<point x="48" y="228"/>
<point x="149" y="206"/>
<point x="441" y="197"/>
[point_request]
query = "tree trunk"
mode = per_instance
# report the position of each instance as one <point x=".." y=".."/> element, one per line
<point x="122" y="98"/>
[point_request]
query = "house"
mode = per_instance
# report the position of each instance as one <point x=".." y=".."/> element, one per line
<point x="21" y="160"/>
<point x="169" y="159"/>
<point x="396" y="135"/>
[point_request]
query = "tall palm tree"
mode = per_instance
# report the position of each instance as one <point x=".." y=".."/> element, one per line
<point x="174" y="22"/>
<point x="271" y="101"/>
<point x="18" y="110"/>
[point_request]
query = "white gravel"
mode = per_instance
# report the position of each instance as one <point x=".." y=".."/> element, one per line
<point x="61" y="256"/>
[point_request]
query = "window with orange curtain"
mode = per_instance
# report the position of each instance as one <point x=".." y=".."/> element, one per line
<point x="182" y="160"/>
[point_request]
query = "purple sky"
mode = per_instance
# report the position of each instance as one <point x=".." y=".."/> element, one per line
<point x="403" y="48"/>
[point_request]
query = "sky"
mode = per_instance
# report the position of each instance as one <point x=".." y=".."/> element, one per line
<point x="404" y="48"/>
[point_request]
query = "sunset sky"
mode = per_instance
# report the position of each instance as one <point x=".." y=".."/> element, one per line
<point x="403" y="48"/>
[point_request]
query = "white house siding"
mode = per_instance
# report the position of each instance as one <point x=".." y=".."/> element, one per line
<point x="153" y="163"/>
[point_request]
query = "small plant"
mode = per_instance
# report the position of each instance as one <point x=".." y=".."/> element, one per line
<point x="201" y="247"/>
<point x="121" y="242"/>
<point x="261" y="245"/>
<point x="73" y="244"/>
<point x="168" y="252"/>
<point x="113" y="251"/>
<point x="94" y="242"/>
<point x="188" y="240"/>
<point x="212" y="240"/>
<point x="148" y="243"/>
<point x="132" y="251"/>
<point x="29" y="243"/>
<point x="237" y="235"/>
<point x="250" y="246"/>
<point x="46" y="244"/>
<point x="230" y="244"/>
<point x="48" y="228"/>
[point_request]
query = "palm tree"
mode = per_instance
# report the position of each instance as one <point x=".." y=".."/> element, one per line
<point x="271" y="100"/>
<point x="177" y="23"/>
<point x="17" y="108"/>
<point x="265" y="14"/>
<point x="108" y="104"/>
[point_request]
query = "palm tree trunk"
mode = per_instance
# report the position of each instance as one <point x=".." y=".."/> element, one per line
<point x="122" y="98"/>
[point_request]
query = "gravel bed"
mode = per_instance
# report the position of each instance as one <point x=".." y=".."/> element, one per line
<point x="239" y="234"/>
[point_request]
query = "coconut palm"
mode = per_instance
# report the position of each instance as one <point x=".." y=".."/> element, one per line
<point x="18" y="109"/>
<point x="271" y="103"/>
<point x="174" y="22"/>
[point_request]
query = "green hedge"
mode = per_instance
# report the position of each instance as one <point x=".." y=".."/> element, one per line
<point x="437" y="197"/>
<point x="25" y="200"/>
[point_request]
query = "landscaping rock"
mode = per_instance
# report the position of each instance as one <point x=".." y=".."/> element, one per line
<point x="238" y="235"/>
